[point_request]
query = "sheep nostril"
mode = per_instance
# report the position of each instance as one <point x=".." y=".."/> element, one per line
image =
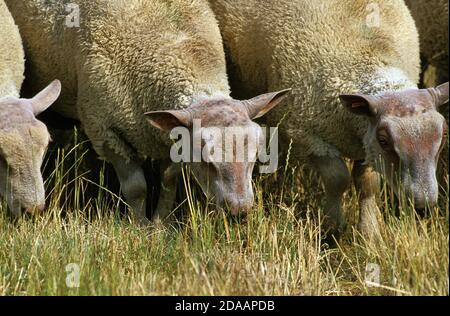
<point x="240" y="208"/>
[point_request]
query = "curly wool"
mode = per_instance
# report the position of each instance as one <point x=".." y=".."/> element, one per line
<point x="432" y="22"/>
<point x="321" y="49"/>
<point x="127" y="57"/>
<point x="12" y="61"/>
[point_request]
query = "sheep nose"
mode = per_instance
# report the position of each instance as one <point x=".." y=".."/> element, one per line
<point x="423" y="198"/>
<point x="239" y="207"/>
<point x="424" y="201"/>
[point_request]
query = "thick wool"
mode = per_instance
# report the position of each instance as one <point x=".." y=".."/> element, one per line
<point x="11" y="55"/>
<point x="273" y="45"/>
<point x="432" y="22"/>
<point x="127" y="57"/>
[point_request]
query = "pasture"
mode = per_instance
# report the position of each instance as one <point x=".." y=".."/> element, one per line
<point x="84" y="244"/>
<point x="125" y="74"/>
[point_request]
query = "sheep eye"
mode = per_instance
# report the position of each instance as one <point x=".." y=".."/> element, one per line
<point x="211" y="168"/>
<point x="384" y="142"/>
<point x="384" y="139"/>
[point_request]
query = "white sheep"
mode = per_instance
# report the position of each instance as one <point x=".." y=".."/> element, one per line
<point x="353" y="66"/>
<point x="126" y="58"/>
<point x="23" y="139"/>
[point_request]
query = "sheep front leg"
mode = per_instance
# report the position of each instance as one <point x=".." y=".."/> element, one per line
<point x="132" y="182"/>
<point x="367" y="183"/>
<point x="169" y="180"/>
<point x="336" y="179"/>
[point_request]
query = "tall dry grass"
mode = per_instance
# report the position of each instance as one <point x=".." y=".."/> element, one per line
<point x="275" y="250"/>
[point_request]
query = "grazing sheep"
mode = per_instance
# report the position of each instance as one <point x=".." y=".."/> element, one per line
<point x="432" y="23"/>
<point x="431" y="19"/>
<point x="130" y="57"/>
<point x="23" y="139"/>
<point x="353" y="66"/>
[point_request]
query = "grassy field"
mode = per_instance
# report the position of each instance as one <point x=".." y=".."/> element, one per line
<point x="276" y="250"/>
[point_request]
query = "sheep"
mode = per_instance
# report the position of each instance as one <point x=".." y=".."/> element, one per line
<point x="127" y="58"/>
<point x="431" y="19"/>
<point x="23" y="139"/>
<point x="353" y="66"/>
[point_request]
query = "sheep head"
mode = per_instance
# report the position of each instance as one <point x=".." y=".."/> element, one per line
<point x="23" y="142"/>
<point x="223" y="144"/>
<point x="405" y="137"/>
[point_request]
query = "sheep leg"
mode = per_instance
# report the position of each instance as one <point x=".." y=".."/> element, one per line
<point x="336" y="179"/>
<point x="132" y="182"/>
<point x="169" y="181"/>
<point x="367" y="183"/>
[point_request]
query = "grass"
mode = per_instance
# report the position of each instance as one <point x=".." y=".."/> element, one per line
<point x="276" y="250"/>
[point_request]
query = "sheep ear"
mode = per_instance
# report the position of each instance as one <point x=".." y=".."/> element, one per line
<point x="262" y="104"/>
<point x="168" y="120"/>
<point x="46" y="97"/>
<point x="359" y="104"/>
<point x="440" y="94"/>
